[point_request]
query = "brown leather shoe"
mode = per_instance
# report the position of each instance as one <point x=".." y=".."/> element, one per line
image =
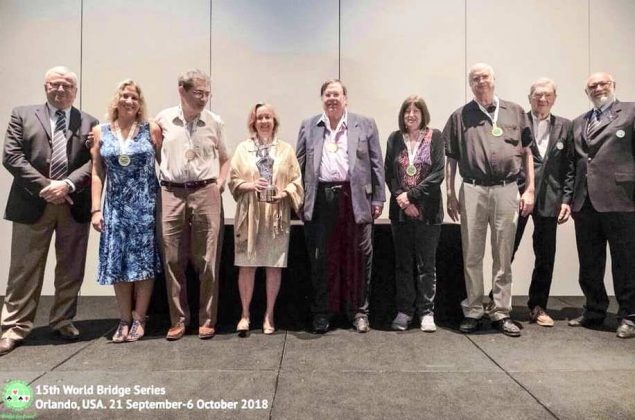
<point x="540" y="317"/>
<point x="175" y="332"/>
<point x="68" y="332"/>
<point x="205" y="333"/>
<point x="7" y="345"/>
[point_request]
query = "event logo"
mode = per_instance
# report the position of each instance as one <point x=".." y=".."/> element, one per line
<point x="17" y="395"/>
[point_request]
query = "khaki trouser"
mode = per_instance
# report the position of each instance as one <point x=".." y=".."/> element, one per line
<point x="29" y="249"/>
<point x="496" y="207"/>
<point x="191" y="229"/>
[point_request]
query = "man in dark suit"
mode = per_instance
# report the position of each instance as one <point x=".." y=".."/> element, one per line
<point x="343" y="174"/>
<point x="549" y="151"/>
<point x="600" y="189"/>
<point x="46" y="152"/>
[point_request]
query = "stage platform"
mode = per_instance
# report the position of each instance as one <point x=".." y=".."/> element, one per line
<point x="559" y="372"/>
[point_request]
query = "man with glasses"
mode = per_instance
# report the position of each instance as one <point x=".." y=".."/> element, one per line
<point x="46" y="151"/>
<point x="600" y="189"/>
<point x="193" y="169"/>
<point x="549" y="152"/>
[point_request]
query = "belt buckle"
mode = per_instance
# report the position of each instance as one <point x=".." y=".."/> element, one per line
<point x="188" y="184"/>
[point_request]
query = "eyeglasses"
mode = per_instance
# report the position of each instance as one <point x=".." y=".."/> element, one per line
<point x="202" y="93"/>
<point x="540" y="95"/>
<point x="602" y="84"/>
<point x="57" y="85"/>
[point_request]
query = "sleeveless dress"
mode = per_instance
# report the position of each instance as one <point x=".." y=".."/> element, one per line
<point x="128" y="250"/>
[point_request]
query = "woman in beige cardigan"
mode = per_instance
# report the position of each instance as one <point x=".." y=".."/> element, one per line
<point x="265" y="182"/>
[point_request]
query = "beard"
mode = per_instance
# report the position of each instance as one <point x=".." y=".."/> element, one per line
<point x="599" y="101"/>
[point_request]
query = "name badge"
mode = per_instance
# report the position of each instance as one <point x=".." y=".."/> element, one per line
<point x="559" y="145"/>
<point x="620" y="133"/>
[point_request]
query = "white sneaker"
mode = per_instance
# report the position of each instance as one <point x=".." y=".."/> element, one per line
<point x="427" y="323"/>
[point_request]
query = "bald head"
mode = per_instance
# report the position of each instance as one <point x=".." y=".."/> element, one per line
<point x="600" y="88"/>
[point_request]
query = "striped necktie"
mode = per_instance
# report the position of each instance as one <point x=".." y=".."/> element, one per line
<point x="594" y="121"/>
<point x="59" y="162"/>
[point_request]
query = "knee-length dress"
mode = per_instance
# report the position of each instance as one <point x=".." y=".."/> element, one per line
<point x="128" y="250"/>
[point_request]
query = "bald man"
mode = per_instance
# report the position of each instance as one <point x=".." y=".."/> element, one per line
<point x="600" y="189"/>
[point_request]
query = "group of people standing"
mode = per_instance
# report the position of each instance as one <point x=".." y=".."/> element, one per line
<point x="513" y="165"/>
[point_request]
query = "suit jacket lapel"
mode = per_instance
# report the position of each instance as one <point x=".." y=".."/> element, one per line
<point x="74" y="123"/>
<point x="554" y="136"/>
<point x="42" y="114"/>
<point x="595" y="138"/>
<point x="352" y="134"/>
<point x="534" y="144"/>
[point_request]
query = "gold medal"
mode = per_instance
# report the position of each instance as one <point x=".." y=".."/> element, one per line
<point x="331" y="147"/>
<point x="497" y="131"/>
<point x="190" y="154"/>
<point x="124" y="160"/>
<point x="411" y="170"/>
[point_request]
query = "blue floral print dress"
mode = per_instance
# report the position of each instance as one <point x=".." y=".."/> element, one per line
<point x="128" y="250"/>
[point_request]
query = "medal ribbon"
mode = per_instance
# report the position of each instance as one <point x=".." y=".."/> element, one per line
<point x="495" y="118"/>
<point x="413" y="152"/>
<point x="123" y="143"/>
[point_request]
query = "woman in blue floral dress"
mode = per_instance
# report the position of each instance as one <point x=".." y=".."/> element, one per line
<point x="124" y="151"/>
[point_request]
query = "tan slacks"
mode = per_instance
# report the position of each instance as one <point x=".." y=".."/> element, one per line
<point x="29" y="249"/>
<point x="191" y="229"/>
<point x="496" y="207"/>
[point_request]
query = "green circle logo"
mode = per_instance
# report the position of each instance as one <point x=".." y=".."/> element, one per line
<point x="17" y="395"/>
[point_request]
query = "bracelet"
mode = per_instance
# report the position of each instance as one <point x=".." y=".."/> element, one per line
<point x="95" y="211"/>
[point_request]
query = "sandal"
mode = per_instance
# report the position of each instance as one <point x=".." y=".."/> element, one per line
<point x="122" y="332"/>
<point x="137" y="330"/>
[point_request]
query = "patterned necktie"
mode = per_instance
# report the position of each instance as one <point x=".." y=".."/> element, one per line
<point x="59" y="162"/>
<point x="594" y="121"/>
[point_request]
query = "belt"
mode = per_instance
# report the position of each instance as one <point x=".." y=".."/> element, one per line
<point x="332" y="186"/>
<point x="192" y="185"/>
<point x="491" y="182"/>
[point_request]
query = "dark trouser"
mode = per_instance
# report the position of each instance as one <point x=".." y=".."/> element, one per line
<point x="415" y="244"/>
<point x="544" y="243"/>
<point x="340" y="253"/>
<point x="592" y="231"/>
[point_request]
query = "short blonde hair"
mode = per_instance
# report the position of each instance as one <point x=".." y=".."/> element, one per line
<point x="113" y="110"/>
<point x="251" y="120"/>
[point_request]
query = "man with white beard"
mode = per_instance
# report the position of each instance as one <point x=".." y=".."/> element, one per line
<point x="600" y="189"/>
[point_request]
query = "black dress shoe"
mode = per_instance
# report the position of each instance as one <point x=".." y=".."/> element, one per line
<point x="583" y="321"/>
<point x="320" y="324"/>
<point x="469" y="325"/>
<point x="7" y="345"/>
<point x="507" y="327"/>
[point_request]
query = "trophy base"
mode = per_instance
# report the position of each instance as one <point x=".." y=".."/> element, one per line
<point x="267" y="195"/>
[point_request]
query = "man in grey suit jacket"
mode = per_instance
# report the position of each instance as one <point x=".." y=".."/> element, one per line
<point x="343" y="175"/>
<point x="600" y="188"/>
<point x="46" y="152"/>
<point x="549" y="151"/>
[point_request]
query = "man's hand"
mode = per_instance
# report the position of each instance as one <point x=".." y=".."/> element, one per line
<point x="453" y="207"/>
<point x="526" y="204"/>
<point x="565" y="212"/>
<point x="377" y="208"/>
<point x="56" y="192"/>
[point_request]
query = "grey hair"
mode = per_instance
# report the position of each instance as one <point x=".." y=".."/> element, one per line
<point x="543" y="81"/>
<point x="186" y="79"/>
<point x="61" y="71"/>
<point x="480" y="66"/>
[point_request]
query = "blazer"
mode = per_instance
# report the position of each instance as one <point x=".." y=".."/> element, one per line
<point x="550" y="170"/>
<point x="603" y="164"/>
<point x="365" y="164"/>
<point x="27" y="156"/>
<point x="427" y="194"/>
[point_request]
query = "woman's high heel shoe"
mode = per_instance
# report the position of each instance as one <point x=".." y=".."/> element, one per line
<point x="267" y="327"/>
<point x="122" y="332"/>
<point x="243" y="327"/>
<point x="137" y="330"/>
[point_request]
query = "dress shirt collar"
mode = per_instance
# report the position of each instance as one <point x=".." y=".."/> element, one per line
<point x="324" y="120"/>
<point x="536" y="118"/>
<point x="605" y="107"/>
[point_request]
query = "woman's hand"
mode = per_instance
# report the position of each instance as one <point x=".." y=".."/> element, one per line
<point x="280" y="196"/>
<point x="402" y="200"/>
<point x="97" y="220"/>
<point x="260" y="184"/>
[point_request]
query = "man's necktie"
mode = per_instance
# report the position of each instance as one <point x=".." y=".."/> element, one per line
<point x="59" y="162"/>
<point x="594" y="121"/>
